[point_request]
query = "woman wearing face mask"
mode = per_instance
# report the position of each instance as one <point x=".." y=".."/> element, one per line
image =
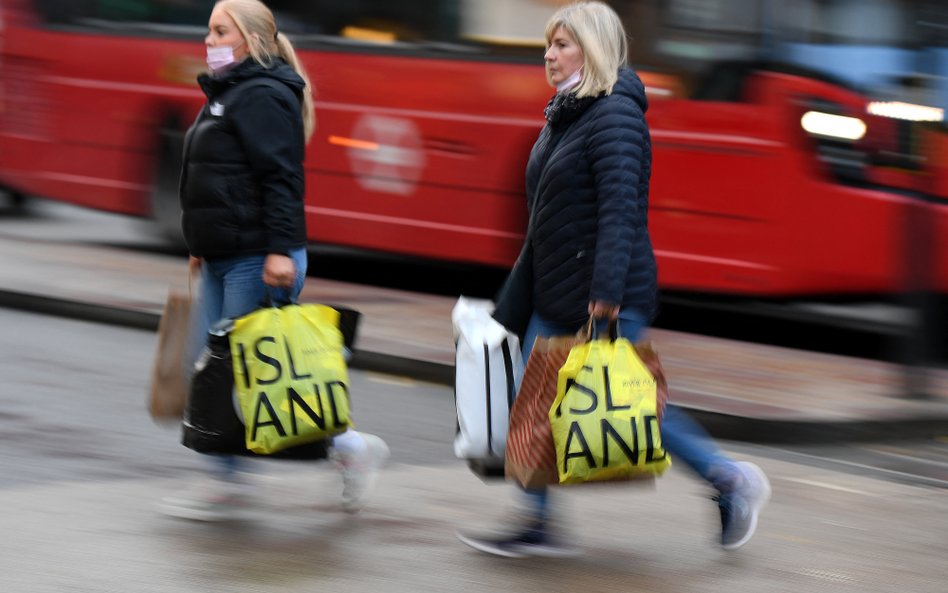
<point x="588" y="253"/>
<point x="241" y="194"/>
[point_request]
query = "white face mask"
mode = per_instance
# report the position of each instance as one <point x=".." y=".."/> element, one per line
<point x="570" y="82"/>
<point x="219" y="57"/>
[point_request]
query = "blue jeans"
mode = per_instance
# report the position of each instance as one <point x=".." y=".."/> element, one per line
<point x="234" y="287"/>
<point x="231" y="288"/>
<point x="682" y="437"/>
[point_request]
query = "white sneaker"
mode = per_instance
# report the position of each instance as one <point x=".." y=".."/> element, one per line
<point x="741" y="507"/>
<point x="210" y="500"/>
<point x="360" y="471"/>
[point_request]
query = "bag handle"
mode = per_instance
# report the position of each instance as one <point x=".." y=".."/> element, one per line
<point x="277" y="296"/>
<point x="594" y="329"/>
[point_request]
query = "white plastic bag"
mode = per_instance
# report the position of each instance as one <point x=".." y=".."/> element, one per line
<point x="488" y="369"/>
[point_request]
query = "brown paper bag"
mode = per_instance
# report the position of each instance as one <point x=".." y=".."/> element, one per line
<point x="531" y="455"/>
<point x="169" y="381"/>
<point x="646" y="352"/>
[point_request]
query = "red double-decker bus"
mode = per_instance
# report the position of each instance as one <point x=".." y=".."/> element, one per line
<point x="785" y="164"/>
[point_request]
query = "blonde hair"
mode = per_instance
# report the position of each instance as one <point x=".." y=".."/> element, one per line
<point x="257" y="25"/>
<point x="601" y="37"/>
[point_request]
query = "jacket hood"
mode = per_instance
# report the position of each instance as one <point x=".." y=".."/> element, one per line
<point x="279" y="70"/>
<point x="630" y="85"/>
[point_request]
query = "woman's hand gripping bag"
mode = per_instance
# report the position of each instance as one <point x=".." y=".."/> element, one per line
<point x="290" y="375"/>
<point x="606" y="418"/>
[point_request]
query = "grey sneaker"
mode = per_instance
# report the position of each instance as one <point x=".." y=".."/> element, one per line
<point x="524" y="541"/>
<point x="741" y="507"/>
<point x="210" y="500"/>
<point x="360" y="471"/>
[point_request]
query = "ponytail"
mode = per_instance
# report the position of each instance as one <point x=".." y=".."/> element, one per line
<point x="286" y="51"/>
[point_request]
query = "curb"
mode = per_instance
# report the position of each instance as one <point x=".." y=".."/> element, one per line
<point x="720" y="425"/>
<point x="817" y="432"/>
<point x="83" y="311"/>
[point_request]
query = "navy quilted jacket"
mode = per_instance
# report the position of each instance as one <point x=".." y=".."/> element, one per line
<point x="587" y="182"/>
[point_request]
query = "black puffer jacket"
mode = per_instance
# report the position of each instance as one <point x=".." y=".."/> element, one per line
<point x="589" y="205"/>
<point x="242" y="181"/>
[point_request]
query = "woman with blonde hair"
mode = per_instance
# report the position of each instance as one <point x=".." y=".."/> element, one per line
<point x="588" y="253"/>
<point x="241" y="192"/>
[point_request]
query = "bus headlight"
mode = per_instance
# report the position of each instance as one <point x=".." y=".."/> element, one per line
<point x="905" y="111"/>
<point x="828" y="125"/>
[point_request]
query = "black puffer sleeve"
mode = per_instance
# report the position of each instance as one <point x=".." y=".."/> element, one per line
<point x="269" y="124"/>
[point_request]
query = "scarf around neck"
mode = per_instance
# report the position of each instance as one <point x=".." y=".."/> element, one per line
<point x="565" y="107"/>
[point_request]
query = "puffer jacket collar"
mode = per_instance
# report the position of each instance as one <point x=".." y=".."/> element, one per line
<point x="563" y="108"/>
<point x="215" y="85"/>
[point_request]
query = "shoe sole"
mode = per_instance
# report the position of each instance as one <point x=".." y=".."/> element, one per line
<point x="543" y="552"/>
<point x="756" y="504"/>
<point x="481" y="546"/>
<point x="198" y="515"/>
<point x="517" y="552"/>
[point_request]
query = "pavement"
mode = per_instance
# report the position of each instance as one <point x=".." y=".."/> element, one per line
<point x="88" y="522"/>
<point x="823" y="532"/>
<point x="739" y="391"/>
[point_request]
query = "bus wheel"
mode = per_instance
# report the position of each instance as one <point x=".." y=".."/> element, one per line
<point x="14" y="199"/>
<point x="18" y="200"/>
<point x="165" y="207"/>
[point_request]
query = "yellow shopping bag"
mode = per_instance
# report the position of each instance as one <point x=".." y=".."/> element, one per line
<point x="290" y="375"/>
<point x="606" y="415"/>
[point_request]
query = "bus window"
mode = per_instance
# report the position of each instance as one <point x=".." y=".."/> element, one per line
<point x="460" y="27"/>
<point x="511" y="22"/>
<point x="479" y="28"/>
<point x="370" y="20"/>
<point x="865" y="22"/>
<point x="691" y="37"/>
<point x="105" y="12"/>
